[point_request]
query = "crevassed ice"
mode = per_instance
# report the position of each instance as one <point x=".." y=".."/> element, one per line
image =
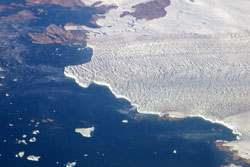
<point x="183" y="76"/>
<point x="193" y="62"/>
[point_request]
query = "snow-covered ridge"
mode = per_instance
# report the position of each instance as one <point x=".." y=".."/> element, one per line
<point x="193" y="62"/>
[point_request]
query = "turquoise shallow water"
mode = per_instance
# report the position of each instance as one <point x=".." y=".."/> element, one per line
<point x="42" y="92"/>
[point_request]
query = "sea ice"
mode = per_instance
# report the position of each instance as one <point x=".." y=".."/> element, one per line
<point x="33" y="139"/>
<point x="70" y="164"/>
<point x="22" y="141"/>
<point x="33" y="158"/>
<point x="20" y="154"/>
<point x="125" y="121"/>
<point x="35" y="132"/>
<point x="232" y="165"/>
<point x="85" y="132"/>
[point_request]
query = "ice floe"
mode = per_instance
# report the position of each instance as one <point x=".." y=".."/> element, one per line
<point x="33" y="158"/>
<point x="22" y="142"/>
<point x="35" y="132"/>
<point x="125" y="121"/>
<point x="20" y="154"/>
<point x="70" y="164"/>
<point x="85" y="132"/>
<point x="32" y="140"/>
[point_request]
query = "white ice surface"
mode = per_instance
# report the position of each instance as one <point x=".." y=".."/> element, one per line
<point x="125" y="121"/>
<point x="20" y="154"/>
<point x="33" y="158"/>
<point x="70" y="164"/>
<point x="193" y="62"/>
<point x="85" y="132"/>
<point x="232" y="165"/>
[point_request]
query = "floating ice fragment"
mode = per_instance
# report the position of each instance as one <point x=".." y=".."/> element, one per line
<point x="85" y="132"/>
<point x="22" y="141"/>
<point x="35" y="132"/>
<point x="125" y="121"/>
<point x="232" y="165"/>
<point x="33" y="158"/>
<point x="70" y="164"/>
<point x="20" y="154"/>
<point x="33" y="139"/>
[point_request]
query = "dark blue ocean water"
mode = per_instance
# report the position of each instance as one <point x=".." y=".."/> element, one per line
<point x="41" y="92"/>
<point x="143" y="142"/>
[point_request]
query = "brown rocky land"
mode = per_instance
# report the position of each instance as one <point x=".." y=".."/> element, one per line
<point x="234" y="154"/>
<point x="18" y="5"/>
<point x="95" y="18"/>
<point x="23" y="14"/>
<point x="57" y="34"/>
<point x="4" y="7"/>
<point x="102" y="9"/>
<point x="64" y="3"/>
<point x="149" y="10"/>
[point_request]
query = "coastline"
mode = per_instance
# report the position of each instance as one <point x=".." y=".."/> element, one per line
<point x="85" y="83"/>
<point x="222" y="144"/>
<point x="125" y="29"/>
<point x="234" y="129"/>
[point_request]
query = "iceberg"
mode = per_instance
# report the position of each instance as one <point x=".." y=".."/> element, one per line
<point x="33" y="158"/>
<point x="85" y="132"/>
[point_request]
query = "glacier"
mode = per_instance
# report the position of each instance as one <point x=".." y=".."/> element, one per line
<point x="193" y="62"/>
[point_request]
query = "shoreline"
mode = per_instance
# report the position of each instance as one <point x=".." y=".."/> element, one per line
<point x="92" y="43"/>
<point x="171" y="115"/>
<point x="238" y="137"/>
<point x="204" y="65"/>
